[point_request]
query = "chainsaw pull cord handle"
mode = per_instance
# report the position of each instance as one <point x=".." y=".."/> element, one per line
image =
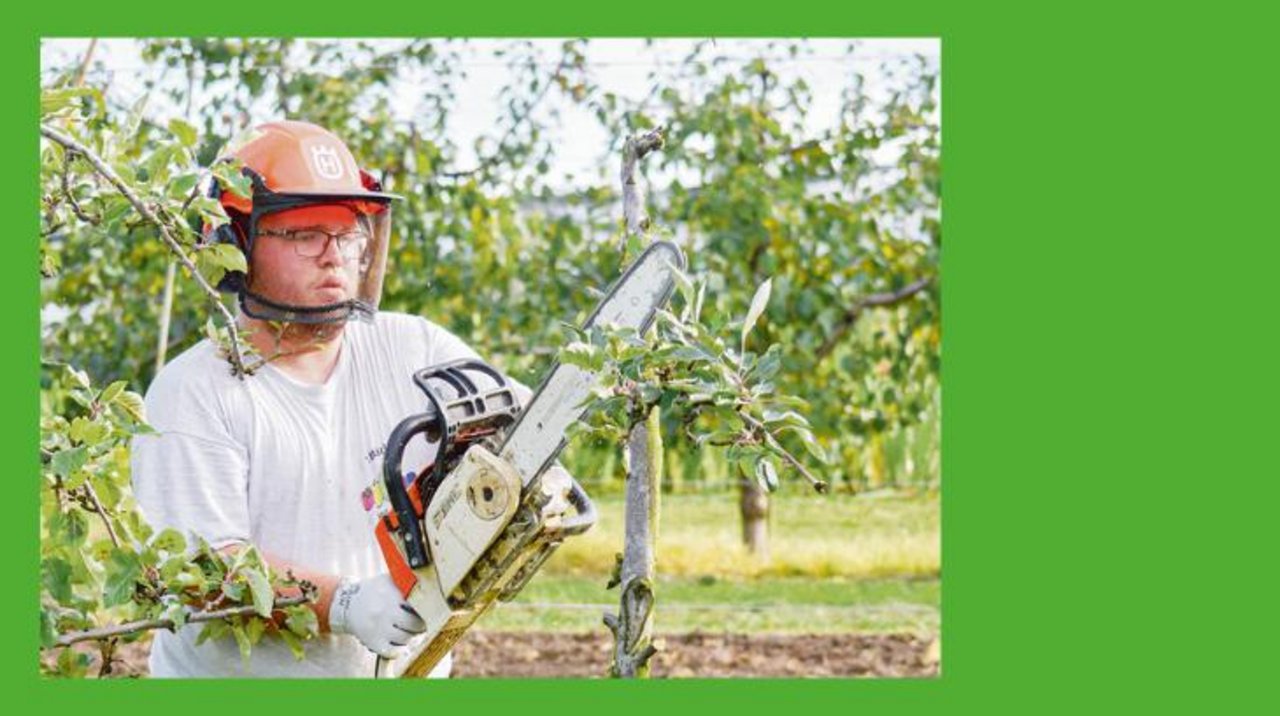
<point x="415" y="545"/>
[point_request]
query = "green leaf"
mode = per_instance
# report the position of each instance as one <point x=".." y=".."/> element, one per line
<point x="131" y="404"/>
<point x="228" y="257"/>
<point x="89" y="432"/>
<point x="78" y="377"/>
<point x="233" y="591"/>
<point x="256" y="628"/>
<point x="55" y="102"/>
<point x="812" y="446"/>
<point x="697" y="302"/>
<point x="56" y="577"/>
<point x="231" y="178"/>
<point x="242" y="640"/>
<point x="122" y="576"/>
<point x="111" y="392"/>
<point x="634" y="246"/>
<point x="177" y="613"/>
<point x="583" y="355"/>
<point x="214" y="260"/>
<point x="101" y="549"/>
<point x="260" y="587"/>
<point x="73" y="663"/>
<point x="758" y="304"/>
<point x="768" y="364"/>
<point x="682" y="282"/>
<point x="767" y="474"/>
<point x="212" y="630"/>
<point x="302" y="621"/>
<point x="183" y="131"/>
<point x="295" y="644"/>
<point x="67" y="461"/>
<point x="182" y="185"/>
<point x="788" y="418"/>
<point x="170" y="540"/>
<point x="48" y="631"/>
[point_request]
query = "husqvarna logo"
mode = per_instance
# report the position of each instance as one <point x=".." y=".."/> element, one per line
<point x="326" y="162"/>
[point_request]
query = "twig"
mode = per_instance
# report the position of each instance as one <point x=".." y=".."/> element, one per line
<point x="109" y="174"/>
<point x="166" y="311"/>
<point x="97" y="507"/>
<point x="876" y="299"/>
<point x="633" y="213"/>
<point x="84" y="62"/>
<point x="193" y="618"/>
<point x="66" y="191"/>
<point x="819" y="485"/>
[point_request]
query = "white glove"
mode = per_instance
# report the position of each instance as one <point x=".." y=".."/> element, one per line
<point x="373" y="611"/>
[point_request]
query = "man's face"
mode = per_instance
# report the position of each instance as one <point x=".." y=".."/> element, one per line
<point x="279" y="270"/>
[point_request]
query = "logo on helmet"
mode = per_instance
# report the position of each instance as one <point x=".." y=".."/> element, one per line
<point x="326" y="162"/>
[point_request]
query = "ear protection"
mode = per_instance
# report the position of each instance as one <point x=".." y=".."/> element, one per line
<point x="228" y="233"/>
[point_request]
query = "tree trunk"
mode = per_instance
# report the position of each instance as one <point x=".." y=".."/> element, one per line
<point x="632" y="627"/>
<point x="753" y="503"/>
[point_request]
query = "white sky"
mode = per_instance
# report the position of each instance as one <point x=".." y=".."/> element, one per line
<point x="621" y="66"/>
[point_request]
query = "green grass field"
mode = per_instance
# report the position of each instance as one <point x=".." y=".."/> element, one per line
<point x="841" y="563"/>
<point x="864" y="536"/>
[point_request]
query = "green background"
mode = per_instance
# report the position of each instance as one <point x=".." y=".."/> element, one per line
<point x="1109" y="370"/>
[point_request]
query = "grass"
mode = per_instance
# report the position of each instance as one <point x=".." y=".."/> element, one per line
<point x="785" y="605"/>
<point x="864" y="536"/>
<point x="838" y="564"/>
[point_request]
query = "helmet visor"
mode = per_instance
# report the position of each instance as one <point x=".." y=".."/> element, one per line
<point x="317" y="260"/>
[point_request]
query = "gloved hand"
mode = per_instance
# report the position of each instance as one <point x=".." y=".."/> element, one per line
<point x="373" y="611"/>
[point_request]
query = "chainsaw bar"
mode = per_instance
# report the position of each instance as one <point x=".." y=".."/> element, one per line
<point x="539" y="433"/>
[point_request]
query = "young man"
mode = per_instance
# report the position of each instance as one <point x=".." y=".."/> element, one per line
<point x="279" y="459"/>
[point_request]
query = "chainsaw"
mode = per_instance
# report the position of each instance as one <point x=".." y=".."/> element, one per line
<point x="474" y="525"/>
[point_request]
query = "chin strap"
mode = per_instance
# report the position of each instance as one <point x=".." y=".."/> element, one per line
<point x="263" y="308"/>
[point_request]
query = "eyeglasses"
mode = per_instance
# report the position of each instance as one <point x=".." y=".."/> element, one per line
<point x="311" y="243"/>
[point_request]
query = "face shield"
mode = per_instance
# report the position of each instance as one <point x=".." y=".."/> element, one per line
<point x="357" y="228"/>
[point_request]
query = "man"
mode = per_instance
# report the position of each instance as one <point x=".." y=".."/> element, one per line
<point x="279" y="459"/>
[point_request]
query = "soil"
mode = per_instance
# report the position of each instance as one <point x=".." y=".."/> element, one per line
<point x="553" y="655"/>
<point x="517" y="654"/>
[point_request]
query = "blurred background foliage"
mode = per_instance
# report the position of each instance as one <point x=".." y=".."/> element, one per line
<point x="500" y="253"/>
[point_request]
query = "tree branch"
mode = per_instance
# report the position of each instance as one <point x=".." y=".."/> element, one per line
<point x="636" y="218"/>
<point x="109" y="174"/>
<point x="876" y="299"/>
<point x="148" y="624"/>
<point x="66" y="191"/>
<point x="97" y="507"/>
<point x="819" y="485"/>
<point x="632" y="628"/>
<point x="84" y="61"/>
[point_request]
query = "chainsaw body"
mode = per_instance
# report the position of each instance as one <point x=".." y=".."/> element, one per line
<point x="464" y="531"/>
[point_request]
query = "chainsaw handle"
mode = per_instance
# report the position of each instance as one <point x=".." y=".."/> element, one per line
<point x="586" y="516"/>
<point x="410" y="529"/>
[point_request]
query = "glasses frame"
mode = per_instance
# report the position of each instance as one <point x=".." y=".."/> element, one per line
<point x="342" y="239"/>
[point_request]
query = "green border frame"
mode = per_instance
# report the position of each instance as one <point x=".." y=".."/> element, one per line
<point x="1102" y="511"/>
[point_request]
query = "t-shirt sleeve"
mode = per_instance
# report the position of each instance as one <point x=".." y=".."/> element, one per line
<point x="444" y="346"/>
<point x="192" y="474"/>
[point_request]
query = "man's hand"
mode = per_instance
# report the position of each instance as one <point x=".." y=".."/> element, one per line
<point x="373" y="611"/>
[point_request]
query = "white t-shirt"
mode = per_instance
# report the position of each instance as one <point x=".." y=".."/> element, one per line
<point x="282" y="464"/>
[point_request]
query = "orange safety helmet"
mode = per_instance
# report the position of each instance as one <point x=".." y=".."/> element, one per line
<point x="292" y="165"/>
